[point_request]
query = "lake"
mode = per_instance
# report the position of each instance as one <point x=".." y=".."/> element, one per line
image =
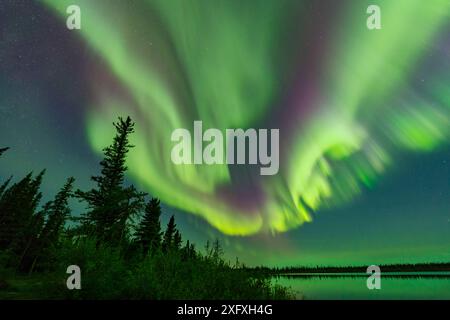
<point x="422" y="285"/>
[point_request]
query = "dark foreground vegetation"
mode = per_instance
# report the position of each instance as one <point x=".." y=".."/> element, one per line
<point x="118" y="243"/>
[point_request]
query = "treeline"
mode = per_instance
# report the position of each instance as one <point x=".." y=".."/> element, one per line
<point x="416" y="267"/>
<point x="118" y="242"/>
<point x="27" y="234"/>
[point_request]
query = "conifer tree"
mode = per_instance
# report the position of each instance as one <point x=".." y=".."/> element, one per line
<point x="149" y="233"/>
<point x="188" y="251"/>
<point x="192" y="252"/>
<point x="169" y="234"/>
<point x="20" y="225"/>
<point x="4" y="186"/>
<point x="57" y="211"/>
<point x="208" y="249"/>
<point x="17" y="213"/>
<point x="111" y="204"/>
<point x="177" y="241"/>
<point x="185" y="250"/>
<point x="217" y="251"/>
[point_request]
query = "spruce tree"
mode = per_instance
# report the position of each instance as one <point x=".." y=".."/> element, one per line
<point x="169" y="234"/>
<point x="57" y="211"/>
<point x="4" y="186"/>
<point x="208" y="249"/>
<point x="217" y="251"/>
<point x="192" y="252"/>
<point x="188" y="251"/>
<point x="20" y="225"/>
<point x="149" y="233"/>
<point x="185" y="250"/>
<point x="17" y="213"/>
<point x="177" y="241"/>
<point x="111" y="205"/>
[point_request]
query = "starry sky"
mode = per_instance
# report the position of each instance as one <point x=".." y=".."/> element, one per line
<point x="364" y="117"/>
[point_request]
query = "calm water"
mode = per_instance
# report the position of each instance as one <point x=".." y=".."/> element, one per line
<point x="393" y="286"/>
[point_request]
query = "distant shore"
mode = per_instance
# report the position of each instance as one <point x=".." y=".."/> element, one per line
<point x="397" y="270"/>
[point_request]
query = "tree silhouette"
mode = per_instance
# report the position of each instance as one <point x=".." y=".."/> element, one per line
<point x="111" y="204"/>
<point x="56" y="213"/>
<point x="177" y="241"/>
<point x="188" y="251"/>
<point x="19" y="224"/>
<point x="217" y="251"/>
<point x="169" y="234"/>
<point x="4" y="186"/>
<point x="17" y="206"/>
<point x="148" y="233"/>
<point x="214" y="251"/>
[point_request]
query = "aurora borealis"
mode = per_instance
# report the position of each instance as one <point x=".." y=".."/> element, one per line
<point x="355" y="107"/>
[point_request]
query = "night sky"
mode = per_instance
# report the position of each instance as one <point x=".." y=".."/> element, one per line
<point x="364" y="117"/>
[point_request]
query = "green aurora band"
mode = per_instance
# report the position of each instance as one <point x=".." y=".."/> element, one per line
<point x="230" y="63"/>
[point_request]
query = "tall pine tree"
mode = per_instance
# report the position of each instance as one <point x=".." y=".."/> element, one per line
<point x="148" y="233"/>
<point x="188" y="251"/>
<point x="169" y="234"/>
<point x="177" y="241"/>
<point x="3" y="187"/>
<point x="111" y="204"/>
<point x="17" y="209"/>
<point x="20" y="225"/>
<point x="56" y="212"/>
<point x="217" y="251"/>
